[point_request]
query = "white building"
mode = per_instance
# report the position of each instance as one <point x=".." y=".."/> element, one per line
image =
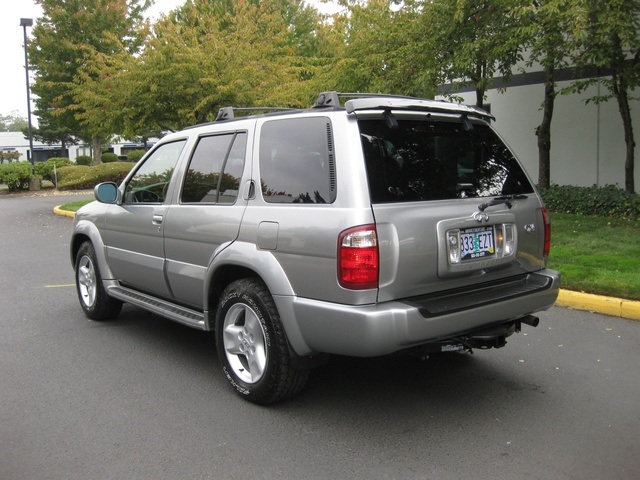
<point x="587" y="140"/>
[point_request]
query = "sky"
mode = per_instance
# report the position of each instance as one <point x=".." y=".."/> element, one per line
<point x="13" y="88"/>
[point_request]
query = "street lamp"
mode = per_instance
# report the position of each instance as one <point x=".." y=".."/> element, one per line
<point x="24" y="23"/>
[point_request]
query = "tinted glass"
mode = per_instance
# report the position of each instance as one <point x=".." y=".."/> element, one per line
<point x="150" y="182"/>
<point x="296" y="161"/>
<point x="436" y="161"/>
<point x="215" y="169"/>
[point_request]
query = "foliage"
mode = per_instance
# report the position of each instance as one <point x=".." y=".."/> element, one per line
<point x="606" y="36"/>
<point x="9" y="156"/>
<point x="87" y="177"/>
<point x="45" y="170"/>
<point x="109" y="157"/>
<point x="135" y="155"/>
<point x="609" y="201"/>
<point x="16" y="175"/>
<point x="84" y="160"/>
<point x="67" y="35"/>
<point x="596" y="254"/>
<point x="13" y="122"/>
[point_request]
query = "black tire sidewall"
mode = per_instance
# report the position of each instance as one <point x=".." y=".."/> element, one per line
<point x="250" y="293"/>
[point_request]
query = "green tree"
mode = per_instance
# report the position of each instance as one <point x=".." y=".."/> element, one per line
<point x="13" y="122"/>
<point x="471" y="41"/>
<point x="542" y="28"/>
<point x="65" y="38"/>
<point x="606" y="36"/>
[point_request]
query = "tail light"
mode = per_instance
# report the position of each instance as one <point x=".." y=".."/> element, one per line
<point x="358" y="258"/>
<point x="547" y="233"/>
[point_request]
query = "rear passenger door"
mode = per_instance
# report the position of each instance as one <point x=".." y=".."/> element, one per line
<point x="208" y="212"/>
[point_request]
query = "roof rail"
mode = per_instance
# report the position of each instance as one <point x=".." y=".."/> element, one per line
<point x="228" y="113"/>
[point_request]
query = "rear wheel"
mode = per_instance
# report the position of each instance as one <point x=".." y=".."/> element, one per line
<point x="252" y="345"/>
<point x="94" y="300"/>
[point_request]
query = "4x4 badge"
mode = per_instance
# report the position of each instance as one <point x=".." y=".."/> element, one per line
<point x="480" y="217"/>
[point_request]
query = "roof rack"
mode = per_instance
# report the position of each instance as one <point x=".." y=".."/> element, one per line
<point x="228" y="113"/>
<point x="332" y="99"/>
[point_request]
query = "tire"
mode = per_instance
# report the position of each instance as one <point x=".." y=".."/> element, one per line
<point x="95" y="302"/>
<point x="252" y="345"/>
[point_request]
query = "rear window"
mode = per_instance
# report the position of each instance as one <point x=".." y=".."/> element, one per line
<point x="421" y="160"/>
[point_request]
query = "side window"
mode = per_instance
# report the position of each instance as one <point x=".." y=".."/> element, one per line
<point x="151" y="180"/>
<point x="297" y="161"/>
<point x="215" y="169"/>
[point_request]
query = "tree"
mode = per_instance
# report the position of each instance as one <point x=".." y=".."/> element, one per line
<point x="607" y="36"/>
<point x="66" y="37"/>
<point x="542" y="28"/>
<point x="13" y="122"/>
<point x="471" y="41"/>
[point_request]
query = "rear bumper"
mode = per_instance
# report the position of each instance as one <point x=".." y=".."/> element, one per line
<point x="371" y="330"/>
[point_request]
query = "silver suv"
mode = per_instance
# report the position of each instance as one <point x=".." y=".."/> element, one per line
<point x="389" y="224"/>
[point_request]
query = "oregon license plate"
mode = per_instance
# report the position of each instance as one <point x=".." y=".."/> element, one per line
<point x="476" y="243"/>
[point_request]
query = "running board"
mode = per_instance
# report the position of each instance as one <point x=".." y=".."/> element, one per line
<point x="177" y="313"/>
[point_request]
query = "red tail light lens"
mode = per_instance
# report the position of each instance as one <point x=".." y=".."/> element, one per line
<point x="547" y="233"/>
<point x="358" y="259"/>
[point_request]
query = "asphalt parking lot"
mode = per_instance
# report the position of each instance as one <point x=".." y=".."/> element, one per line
<point x="142" y="398"/>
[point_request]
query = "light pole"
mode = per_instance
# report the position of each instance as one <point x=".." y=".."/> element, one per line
<point x="24" y="23"/>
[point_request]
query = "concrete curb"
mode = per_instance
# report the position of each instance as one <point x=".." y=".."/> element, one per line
<point x="615" y="307"/>
<point x="64" y="213"/>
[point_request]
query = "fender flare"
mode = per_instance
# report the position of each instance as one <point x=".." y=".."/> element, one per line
<point x="88" y="229"/>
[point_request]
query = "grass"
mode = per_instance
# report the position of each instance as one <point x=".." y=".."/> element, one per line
<point x="74" y="206"/>
<point x="597" y="255"/>
<point x="594" y="254"/>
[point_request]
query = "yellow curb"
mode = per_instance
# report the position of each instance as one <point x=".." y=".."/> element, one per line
<point x="616" y="307"/>
<point x="65" y="213"/>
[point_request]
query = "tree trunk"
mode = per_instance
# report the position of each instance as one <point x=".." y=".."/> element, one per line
<point x="96" y="144"/>
<point x="625" y="112"/>
<point x="544" y="131"/>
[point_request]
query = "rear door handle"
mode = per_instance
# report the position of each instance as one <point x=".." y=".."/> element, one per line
<point x="157" y="219"/>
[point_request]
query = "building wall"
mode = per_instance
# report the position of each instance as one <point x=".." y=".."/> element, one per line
<point x="587" y="140"/>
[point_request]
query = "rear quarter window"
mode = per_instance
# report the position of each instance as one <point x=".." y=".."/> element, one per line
<point x="436" y="160"/>
<point x="297" y="161"/>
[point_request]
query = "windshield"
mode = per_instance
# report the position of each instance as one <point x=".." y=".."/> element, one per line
<point x="436" y="160"/>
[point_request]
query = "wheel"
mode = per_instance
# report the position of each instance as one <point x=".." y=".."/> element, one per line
<point x="252" y="345"/>
<point x="95" y="302"/>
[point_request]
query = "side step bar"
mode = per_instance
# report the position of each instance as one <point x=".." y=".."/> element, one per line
<point x="186" y="316"/>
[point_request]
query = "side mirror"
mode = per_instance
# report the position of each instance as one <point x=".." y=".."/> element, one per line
<point x="107" y="192"/>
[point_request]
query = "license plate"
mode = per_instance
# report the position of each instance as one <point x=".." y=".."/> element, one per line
<point x="476" y="243"/>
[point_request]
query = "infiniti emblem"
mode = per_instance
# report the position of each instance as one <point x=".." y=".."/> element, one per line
<point x="480" y="217"/>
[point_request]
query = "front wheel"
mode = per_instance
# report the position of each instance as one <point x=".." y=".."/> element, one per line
<point x="252" y="345"/>
<point x="94" y="300"/>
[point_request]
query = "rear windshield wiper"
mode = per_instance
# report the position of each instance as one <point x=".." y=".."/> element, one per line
<point x="506" y="199"/>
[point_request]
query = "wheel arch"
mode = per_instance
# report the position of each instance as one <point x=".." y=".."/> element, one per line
<point x="87" y="231"/>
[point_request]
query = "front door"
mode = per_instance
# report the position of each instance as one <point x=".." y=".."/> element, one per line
<point x="134" y="229"/>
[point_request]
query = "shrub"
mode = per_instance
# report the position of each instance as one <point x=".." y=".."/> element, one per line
<point x="81" y="177"/>
<point x="45" y="169"/>
<point x="84" y="160"/>
<point x="609" y="201"/>
<point x="108" y="157"/>
<point x="16" y="175"/>
<point x="135" y="155"/>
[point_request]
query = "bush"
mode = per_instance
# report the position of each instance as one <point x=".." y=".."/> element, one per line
<point x="82" y="177"/>
<point x="609" y="201"/>
<point x="84" y="160"/>
<point x="16" y="175"/>
<point x="45" y="169"/>
<point x="135" y="155"/>
<point x="108" y="157"/>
